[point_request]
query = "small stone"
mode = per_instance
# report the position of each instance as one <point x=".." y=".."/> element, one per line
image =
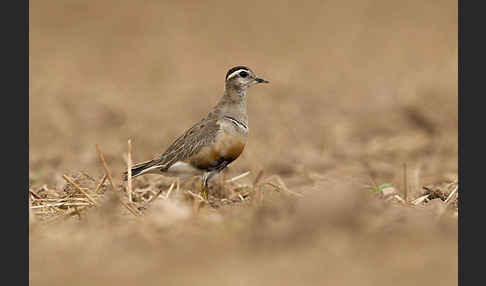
<point x="386" y="192"/>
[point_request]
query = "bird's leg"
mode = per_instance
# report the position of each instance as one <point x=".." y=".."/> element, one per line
<point x="204" y="185"/>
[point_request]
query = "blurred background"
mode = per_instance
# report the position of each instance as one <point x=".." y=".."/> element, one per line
<point x="356" y="86"/>
<point x="357" y="89"/>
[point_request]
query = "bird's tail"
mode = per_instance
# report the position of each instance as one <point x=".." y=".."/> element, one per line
<point x="141" y="168"/>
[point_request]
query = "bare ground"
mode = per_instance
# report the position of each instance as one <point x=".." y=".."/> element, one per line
<point x="360" y="91"/>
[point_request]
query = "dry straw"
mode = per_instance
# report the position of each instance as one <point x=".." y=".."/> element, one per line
<point x="134" y="211"/>
<point x="67" y="179"/>
<point x="129" y="170"/>
<point x="45" y="202"/>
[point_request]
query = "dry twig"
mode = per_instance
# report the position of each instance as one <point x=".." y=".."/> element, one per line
<point x="160" y="192"/>
<point x="281" y="185"/>
<point x="101" y="184"/>
<point x="60" y="204"/>
<point x="129" y="171"/>
<point x="451" y="195"/>
<point x="110" y="179"/>
<point x="79" y="189"/>
<point x="195" y="195"/>
<point x="420" y="200"/>
<point x="238" y="177"/>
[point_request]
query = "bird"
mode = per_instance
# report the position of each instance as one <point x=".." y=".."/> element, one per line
<point x="210" y="145"/>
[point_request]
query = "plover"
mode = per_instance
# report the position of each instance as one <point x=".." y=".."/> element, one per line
<point x="213" y="143"/>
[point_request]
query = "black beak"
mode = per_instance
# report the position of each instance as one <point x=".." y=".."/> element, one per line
<point x="261" y="80"/>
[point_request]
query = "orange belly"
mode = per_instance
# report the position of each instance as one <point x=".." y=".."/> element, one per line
<point x="225" y="150"/>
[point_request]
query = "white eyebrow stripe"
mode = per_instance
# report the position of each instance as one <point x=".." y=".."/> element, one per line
<point x="235" y="73"/>
<point x="236" y="122"/>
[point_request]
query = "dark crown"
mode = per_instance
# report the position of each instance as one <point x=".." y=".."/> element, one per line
<point x="235" y="69"/>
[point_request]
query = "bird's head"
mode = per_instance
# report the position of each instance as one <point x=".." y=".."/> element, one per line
<point x="241" y="77"/>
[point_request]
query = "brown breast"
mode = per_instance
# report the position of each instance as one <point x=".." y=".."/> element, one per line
<point x="227" y="147"/>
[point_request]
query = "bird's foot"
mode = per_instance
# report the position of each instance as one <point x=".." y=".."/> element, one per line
<point x="204" y="191"/>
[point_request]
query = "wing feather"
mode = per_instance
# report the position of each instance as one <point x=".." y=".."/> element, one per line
<point x="201" y="134"/>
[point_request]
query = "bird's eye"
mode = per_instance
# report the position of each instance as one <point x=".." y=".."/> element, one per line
<point x="243" y="74"/>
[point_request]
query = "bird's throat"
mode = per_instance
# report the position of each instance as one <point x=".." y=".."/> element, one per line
<point x="233" y="103"/>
